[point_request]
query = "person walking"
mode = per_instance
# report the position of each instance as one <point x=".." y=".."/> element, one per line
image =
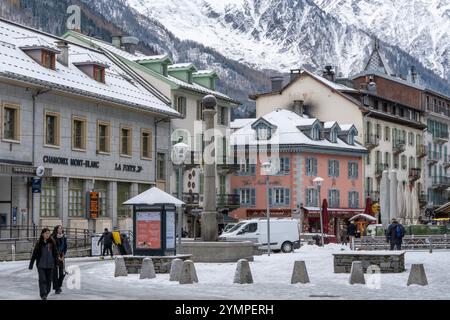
<point x="45" y="254"/>
<point x="107" y="238"/>
<point x="394" y="234"/>
<point x="343" y="235"/>
<point x="60" y="240"/>
<point x="351" y="232"/>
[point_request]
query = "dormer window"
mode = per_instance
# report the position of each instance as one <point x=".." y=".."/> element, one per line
<point x="190" y="79"/>
<point x="99" y="73"/>
<point x="315" y="132"/>
<point x="333" y="135"/>
<point x="351" y="138"/>
<point x="264" y="133"/>
<point x="48" y="59"/>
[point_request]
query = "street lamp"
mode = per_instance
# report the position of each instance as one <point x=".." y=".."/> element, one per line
<point x="266" y="168"/>
<point x="318" y="183"/>
<point x="179" y="152"/>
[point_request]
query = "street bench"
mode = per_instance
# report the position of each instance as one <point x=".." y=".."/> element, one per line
<point x="387" y="261"/>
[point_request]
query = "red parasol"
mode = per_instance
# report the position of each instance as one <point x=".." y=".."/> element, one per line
<point x="325" y="216"/>
<point x="368" y="209"/>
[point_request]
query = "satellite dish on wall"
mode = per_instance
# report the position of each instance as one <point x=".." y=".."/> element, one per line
<point x="40" y="171"/>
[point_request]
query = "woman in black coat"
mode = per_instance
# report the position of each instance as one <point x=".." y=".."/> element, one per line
<point x="61" y="246"/>
<point x="45" y="254"/>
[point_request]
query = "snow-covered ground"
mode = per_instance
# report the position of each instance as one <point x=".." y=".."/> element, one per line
<point x="271" y="277"/>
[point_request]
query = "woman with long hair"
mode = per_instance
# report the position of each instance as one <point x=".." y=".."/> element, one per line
<point x="45" y="254"/>
<point x="61" y="246"/>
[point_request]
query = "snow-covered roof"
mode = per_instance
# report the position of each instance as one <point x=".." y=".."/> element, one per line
<point x="87" y="58"/>
<point x="31" y="42"/>
<point x="287" y="133"/>
<point x="329" y="124"/>
<point x="154" y="196"/>
<point x="204" y="73"/>
<point x="239" y="123"/>
<point x="346" y="127"/>
<point x="132" y="57"/>
<point x="149" y="58"/>
<point x="334" y="85"/>
<point x="181" y="66"/>
<point x="18" y="65"/>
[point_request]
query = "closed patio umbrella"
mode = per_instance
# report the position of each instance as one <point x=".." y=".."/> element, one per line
<point x="393" y="205"/>
<point x="384" y="199"/>
<point x="400" y="201"/>
<point x="325" y="216"/>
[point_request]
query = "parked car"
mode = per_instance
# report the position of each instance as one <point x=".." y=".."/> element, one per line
<point x="228" y="227"/>
<point x="284" y="233"/>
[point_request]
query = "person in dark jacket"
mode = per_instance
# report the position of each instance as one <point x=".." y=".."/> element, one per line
<point x="351" y="231"/>
<point x="45" y="254"/>
<point x="61" y="246"/>
<point x="394" y="234"/>
<point x="107" y="238"/>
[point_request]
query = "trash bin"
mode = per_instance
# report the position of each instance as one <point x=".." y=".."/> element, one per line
<point x="125" y="245"/>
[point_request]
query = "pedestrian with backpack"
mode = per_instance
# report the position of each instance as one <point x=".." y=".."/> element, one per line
<point x="107" y="238"/>
<point x="394" y="235"/>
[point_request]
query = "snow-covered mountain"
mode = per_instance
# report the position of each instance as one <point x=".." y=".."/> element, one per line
<point x="420" y="27"/>
<point x="282" y="34"/>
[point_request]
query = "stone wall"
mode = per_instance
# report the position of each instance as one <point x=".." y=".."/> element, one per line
<point x="161" y="263"/>
<point x="388" y="263"/>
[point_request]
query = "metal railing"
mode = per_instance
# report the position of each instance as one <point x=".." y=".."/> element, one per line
<point x="421" y="151"/>
<point x="414" y="174"/>
<point x="189" y="198"/>
<point x="440" y="182"/>
<point x="228" y="200"/>
<point x="371" y="141"/>
<point x="379" y="168"/>
<point x="398" y="145"/>
<point x="409" y="242"/>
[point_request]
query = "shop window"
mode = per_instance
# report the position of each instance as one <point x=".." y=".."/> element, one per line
<point x="102" y="188"/>
<point x="76" y="203"/>
<point x="49" y="198"/>
<point x="123" y="194"/>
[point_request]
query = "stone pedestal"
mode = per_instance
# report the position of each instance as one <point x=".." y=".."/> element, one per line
<point x="217" y="251"/>
<point x="161" y="264"/>
<point x="387" y="261"/>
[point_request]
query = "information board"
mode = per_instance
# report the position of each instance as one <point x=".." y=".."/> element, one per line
<point x="148" y="230"/>
<point x="96" y="249"/>
<point x="170" y="230"/>
<point x="93" y="205"/>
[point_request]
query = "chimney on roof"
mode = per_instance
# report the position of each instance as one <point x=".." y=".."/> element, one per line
<point x="130" y="44"/>
<point x="329" y="73"/>
<point x="63" y="56"/>
<point x="117" y="41"/>
<point x="277" y="83"/>
<point x="295" y="73"/>
<point x="414" y="75"/>
<point x="298" y="107"/>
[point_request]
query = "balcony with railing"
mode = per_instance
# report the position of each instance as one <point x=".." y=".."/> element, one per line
<point x="446" y="161"/>
<point x="228" y="201"/>
<point x="433" y="157"/>
<point x="379" y="168"/>
<point x="371" y="141"/>
<point x="190" y="199"/>
<point x="421" y="151"/>
<point x="227" y="164"/>
<point x="440" y="136"/>
<point x="193" y="160"/>
<point x="440" y="182"/>
<point x="414" y="174"/>
<point x="398" y="146"/>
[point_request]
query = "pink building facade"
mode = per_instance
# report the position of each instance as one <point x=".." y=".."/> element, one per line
<point x="306" y="149"/>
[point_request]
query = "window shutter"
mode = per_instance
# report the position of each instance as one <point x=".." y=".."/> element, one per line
<point x="308" y="199"/>
<point x="316" y="197"/>
<point x="356" y="170"/>
<point x="337" y="168"/>
<point x="238" y="192"/>
<point x="270" y="197"/>
<point x="253" y="169"/>
<point x="287" y="200"/>
<point x="357" y="199"/>
<point x="330" y="168"/>
<point x="253" y="197"/>
<point x="315" y="166"/>
<point x="338" y="200"/>
<point x="349" y="199"/>
<point x="330" y="198"/>
<point x="307" y="167"/>
<point x="349" y="169"/>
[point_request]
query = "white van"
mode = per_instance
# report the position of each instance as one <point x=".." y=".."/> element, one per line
<point x="284" y="233"/>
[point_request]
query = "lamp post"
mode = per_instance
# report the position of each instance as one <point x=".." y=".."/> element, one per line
<point x="318" y="182"/>
<point x="266" y="167"/>
<point x="179" y="152"/>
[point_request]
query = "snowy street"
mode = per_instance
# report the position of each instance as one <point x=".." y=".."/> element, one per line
<point x="271" y="277"/>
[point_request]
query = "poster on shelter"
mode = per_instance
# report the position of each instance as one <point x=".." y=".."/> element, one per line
<point x="170" y="230"/>
<point x="148" y="229"/>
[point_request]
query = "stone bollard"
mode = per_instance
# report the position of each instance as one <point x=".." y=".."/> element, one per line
<point x="147" y="269"/>
<point x="175" y="269"/>
<point x="121" y="269"/>
<point x="243" y="273"/>
<point x="356" y="273"/>
<point x="417" y="275"/>
<point x="188" y="273"/>
<point x="299" y="274"/>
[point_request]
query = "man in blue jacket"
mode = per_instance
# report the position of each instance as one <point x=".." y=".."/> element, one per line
<point x="394" y="234"/>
